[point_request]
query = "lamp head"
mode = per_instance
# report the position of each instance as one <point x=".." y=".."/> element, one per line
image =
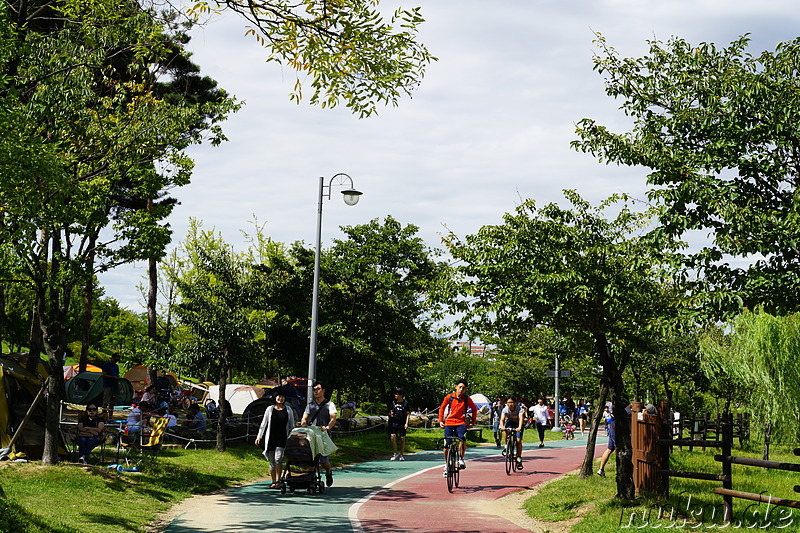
<point x="351" y="196"/>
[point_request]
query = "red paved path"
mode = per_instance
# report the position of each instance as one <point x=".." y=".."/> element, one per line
<point x="422" y="503"/>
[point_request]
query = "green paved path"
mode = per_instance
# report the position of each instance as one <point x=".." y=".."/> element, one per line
<point x="257" y="508"/>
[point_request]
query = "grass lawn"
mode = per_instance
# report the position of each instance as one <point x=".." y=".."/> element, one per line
<point x="68" y="498"/>
<point x="692" y="505"/>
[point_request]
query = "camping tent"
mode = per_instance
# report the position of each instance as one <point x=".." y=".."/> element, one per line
<point x="87" y="387"/>
<point x="74" y="370"/>
<point x="138" y="377"/>
<point x="481" y="400"/>
<point x="18" y="387"/>
<point x="238" y="395"/>
<point x="295" y="397"/>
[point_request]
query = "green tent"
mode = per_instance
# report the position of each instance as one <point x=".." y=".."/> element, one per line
<point x="87" y="387"/>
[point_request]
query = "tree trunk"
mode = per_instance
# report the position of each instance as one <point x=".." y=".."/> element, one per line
<point x="223" y="404"/>
<point x="767" y="438"/>
<point x="88" y="295"/>
<point x="35" y="340"/>
<point x="587" y="469"/>
<point x="3" y="317"/>
<point x="667" y="389"/>
<point x="53" y="302"/>
<point x="612" y="374"/>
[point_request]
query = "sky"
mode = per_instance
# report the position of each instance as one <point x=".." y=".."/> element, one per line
<point x="489" y="126"/>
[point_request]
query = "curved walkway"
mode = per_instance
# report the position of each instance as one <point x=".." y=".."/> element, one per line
<point x="386" y="496"/>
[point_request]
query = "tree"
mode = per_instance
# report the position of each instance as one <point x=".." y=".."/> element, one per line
<point x="576" y="272"/>
<point x="80" y="137"/>
<point x="374" y="323"/>
<point x="716" y="128"/>
<point x="216" y="295"/>
<point x="348" y="49"/>
<point x="760" y="355"/>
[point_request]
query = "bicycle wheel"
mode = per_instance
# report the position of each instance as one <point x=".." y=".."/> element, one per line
<point x="510" y="449"/>
<point x="450" y="470"/>
<point x="456" y="470"/>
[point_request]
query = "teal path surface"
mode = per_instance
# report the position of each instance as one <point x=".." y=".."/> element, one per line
<point x="255" y="507"/>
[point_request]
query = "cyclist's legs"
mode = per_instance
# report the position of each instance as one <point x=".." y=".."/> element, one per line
<point x="461" y="433"/>
<point x="518" y="435"/>
<point x="449" y="433"/>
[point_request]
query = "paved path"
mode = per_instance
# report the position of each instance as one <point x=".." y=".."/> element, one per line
<point x="388" y="496"/>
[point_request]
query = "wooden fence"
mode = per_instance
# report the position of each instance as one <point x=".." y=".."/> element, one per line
<point x="725" y="434"/>
<point x="702" y="427"/>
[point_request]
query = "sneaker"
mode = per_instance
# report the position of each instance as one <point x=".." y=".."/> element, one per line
<point x="328" y="479"/>
<point x="461" y="464"/>
<point x="82" y="460"/>
<point x="541" y="445"/>
<point x="519" y="463"/>
<point x="601" y="473"/>
<point x="444" y="472"/>
<point x="394" y="456"/>
<point x="401" y="458"/>
<point x="503" y="453"/>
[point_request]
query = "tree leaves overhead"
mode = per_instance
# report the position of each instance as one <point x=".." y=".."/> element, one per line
<point x="716" y="127"/>
<point x="351" y="50"/>
<point x="570" y="269"/>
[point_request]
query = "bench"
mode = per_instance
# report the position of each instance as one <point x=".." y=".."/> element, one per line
<point x="473" y="431"/>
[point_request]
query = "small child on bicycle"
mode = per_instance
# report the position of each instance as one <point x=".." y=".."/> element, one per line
<point x="513" y="419"/>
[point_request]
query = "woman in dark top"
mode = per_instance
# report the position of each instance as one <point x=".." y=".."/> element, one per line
<point x="275" y="427"/>
<point x="90" y="431"/>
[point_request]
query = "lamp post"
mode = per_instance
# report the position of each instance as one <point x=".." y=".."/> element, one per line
<point x="351" y="197"/>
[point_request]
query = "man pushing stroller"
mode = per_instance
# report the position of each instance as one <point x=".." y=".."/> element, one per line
<point x="321" y="413"/>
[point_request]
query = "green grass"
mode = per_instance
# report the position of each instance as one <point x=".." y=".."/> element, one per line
<point x="590" y="503"/>
<point x="96" y="499"/>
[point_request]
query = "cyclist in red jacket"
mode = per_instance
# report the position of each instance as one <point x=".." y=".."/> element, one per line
<point x="452" y="417"/>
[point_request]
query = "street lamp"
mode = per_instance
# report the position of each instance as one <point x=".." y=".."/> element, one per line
<point x="351" y="197"/>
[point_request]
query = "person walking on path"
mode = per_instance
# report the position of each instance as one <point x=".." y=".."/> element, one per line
<point x="399" y="415"/>
<point x="452" y="417"/>
<point x="321" y="413"/>
<point x="539" y="413"/>
<point x="278" y="421"/>
<point x="497" y="411"/>
<point x="612" y="444"/>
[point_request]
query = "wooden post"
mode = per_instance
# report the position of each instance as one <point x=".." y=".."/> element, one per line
<point x="727" y="483"/>
<point x="666" y="421"/>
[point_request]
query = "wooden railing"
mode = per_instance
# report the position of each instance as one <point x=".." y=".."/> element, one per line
<point x="727" y="459"/>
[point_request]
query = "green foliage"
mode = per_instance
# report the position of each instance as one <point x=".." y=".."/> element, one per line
<point x="349" y="50"/>
<point x="215" y="297"/>
<point x="715" y="126"/>
<point x="760" y="355"/>
<point x="568" y="269"/>
<point x="375" y="328"/>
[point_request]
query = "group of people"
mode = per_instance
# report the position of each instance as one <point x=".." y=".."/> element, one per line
<point x="279" y="420"/>
<point x="510" y="417"/>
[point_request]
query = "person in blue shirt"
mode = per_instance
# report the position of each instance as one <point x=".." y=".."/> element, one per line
<point x="110" y="379"/>
<point x="612" y="444"/>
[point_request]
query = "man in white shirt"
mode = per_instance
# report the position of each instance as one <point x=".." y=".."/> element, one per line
<point x="539" y="415"/>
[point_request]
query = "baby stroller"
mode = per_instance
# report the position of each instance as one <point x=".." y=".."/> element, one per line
<point x="302" y="464"/>
<point x="569" y="428"/>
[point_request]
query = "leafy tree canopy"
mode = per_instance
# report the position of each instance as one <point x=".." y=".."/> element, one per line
<point x="351" y="51"/>
<point x="716" y="127"/>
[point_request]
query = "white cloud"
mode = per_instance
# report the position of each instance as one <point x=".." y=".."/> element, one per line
<point x="489" y="125"/>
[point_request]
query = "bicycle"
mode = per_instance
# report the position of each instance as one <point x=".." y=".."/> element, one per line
<point x="510" y="452"/>
<point x="453" y="455"/>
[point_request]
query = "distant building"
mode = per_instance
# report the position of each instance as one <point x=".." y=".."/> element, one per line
<point x="478" y="350"/>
